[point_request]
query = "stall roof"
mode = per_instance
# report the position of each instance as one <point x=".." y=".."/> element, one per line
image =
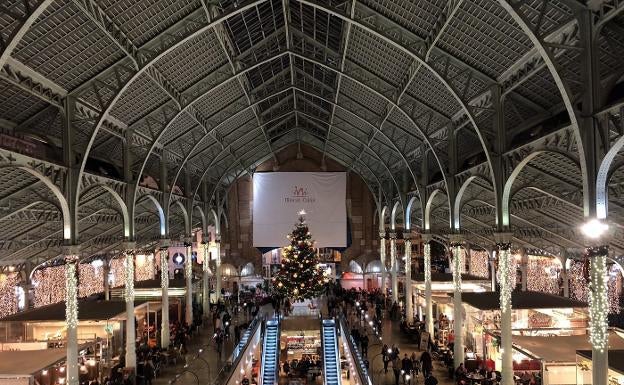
<point x="489" y="300"/>
<point x="155" y="283"/>
<point x="27" y="362"/>
<point x="561" y="348"/>
<point x="447" y="277"/>
<point x="616" y="358"/>
<point x="87" y="311"/>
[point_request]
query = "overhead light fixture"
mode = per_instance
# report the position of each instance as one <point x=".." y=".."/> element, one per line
<point x="594" y="228"/>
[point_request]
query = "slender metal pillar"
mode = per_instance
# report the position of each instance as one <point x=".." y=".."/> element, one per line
<point x="188" y="273"/>
<point x="164" y="284"/>
<point x="71" y="312"/>
<point x="382" y="258"/>
<point x="105" y="273"/>
<point x="458" y="349"/>
<point x="409" y="305"/>
<point x="428" y="300"/>
<point x="598" y="312"/>
<point x="395" y="268"/>
<point x="507" y="282"/>
<point x="129" y="251"/>
<point x="218" y="267"/>
<point x="205" y="276"/>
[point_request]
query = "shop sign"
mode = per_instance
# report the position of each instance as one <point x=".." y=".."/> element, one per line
<point x="539" y="320"/>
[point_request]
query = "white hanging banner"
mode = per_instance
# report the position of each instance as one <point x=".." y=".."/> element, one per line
<point x="279" y="196"/>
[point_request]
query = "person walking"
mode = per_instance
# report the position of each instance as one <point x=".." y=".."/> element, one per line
<point x="396" y="368"/>
<point x="426" y="363"/>
<point x="385" y="356"/>
<point x="406" y="369"/>
<point x="364" y="344"/>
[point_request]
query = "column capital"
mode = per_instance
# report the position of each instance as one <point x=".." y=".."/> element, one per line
<point x="456" y="239"/>
<point x="71" y="252"/>
<point x="164" y="243"/>
<point x="188" y="241"/>
<point x="128" y="245"/>
<point x="426" y="237"/>
<point x="407" y="235"/>
<point x="382" y="234"/>
<point x="503" y="239"/>
<point x="392" y="235"/>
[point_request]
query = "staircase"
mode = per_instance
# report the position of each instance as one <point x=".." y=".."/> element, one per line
<point x="269" y="371"/>
<point x="331" y="359"/>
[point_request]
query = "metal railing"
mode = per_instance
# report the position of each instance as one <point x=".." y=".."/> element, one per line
<point x="358" y="359"/>
<point x="269" y="370"/>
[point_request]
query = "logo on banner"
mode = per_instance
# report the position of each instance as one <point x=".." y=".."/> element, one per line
<point x="299" y="194"/>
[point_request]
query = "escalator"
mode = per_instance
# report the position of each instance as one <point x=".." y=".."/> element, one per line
<point x="331" y="358"/>
<point x="269" y="371"/>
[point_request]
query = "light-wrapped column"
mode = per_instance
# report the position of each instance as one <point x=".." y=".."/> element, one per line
<point x="409" y="305"/>
<point x="428" y="300"/>
<point x="395" y="268"/>
<point x="507" y="282"/>
<point x="188" y="273"/>
<point x="458" y="350"/>
<point x="205" y="277"/>
<point x="164" y="285"/>
<point x="129" y="250"/>
<point x="598" y="311"/>
<point x="218" y="267"/>
<point x="382" y="258"/>
<point x="71" y="313"/>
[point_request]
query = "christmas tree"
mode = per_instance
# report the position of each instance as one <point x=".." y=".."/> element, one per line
<point x="299" y="276"/>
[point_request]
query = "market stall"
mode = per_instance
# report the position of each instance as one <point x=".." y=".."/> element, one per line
<point x="300" y="342"/>
<point x="441" y="287"/>
<point x="558" y="357"/>
<point x="534" y="315"/>
<point x="616" y="366"/>
<point x="42" y="333"/>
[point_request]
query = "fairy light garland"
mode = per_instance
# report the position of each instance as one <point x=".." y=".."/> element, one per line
<point x="542" y="274"/>
<point x="479" y="263"/>
<point x="188" y="265"/>
<point x="9" y="283"/>
<point x="598" y="299"/>
<point x="427" y="258"/>
<point x="91" y="280"/>
<point x="129" y="278"/>
<point x="49" y="285"/>
<point x="164" y="268"/>
<point x="71" y="292"/>
<point x="144" y="267"/>
<point x="457" y="270"/>
<point x="506" y="274"/>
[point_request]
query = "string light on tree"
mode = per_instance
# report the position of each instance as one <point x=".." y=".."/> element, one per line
<point x="300" y="276"/>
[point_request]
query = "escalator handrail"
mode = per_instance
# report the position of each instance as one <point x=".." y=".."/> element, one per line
<point x="242" y="346"/>
<point x="330" y="323"/>
<point x="355" y="353"/>
<point x="268" y="323"/>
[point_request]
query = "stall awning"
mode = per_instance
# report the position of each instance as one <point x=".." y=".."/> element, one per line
<point x="446" y="277"/>
<point x="616" y="358"/>
<point x="561" y="348"/>
<point x="489" y="300"/>
<point x="87" y="311"/>
<point x="29" y="362"/>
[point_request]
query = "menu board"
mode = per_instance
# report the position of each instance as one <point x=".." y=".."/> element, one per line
<point x="303" y="344"/>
